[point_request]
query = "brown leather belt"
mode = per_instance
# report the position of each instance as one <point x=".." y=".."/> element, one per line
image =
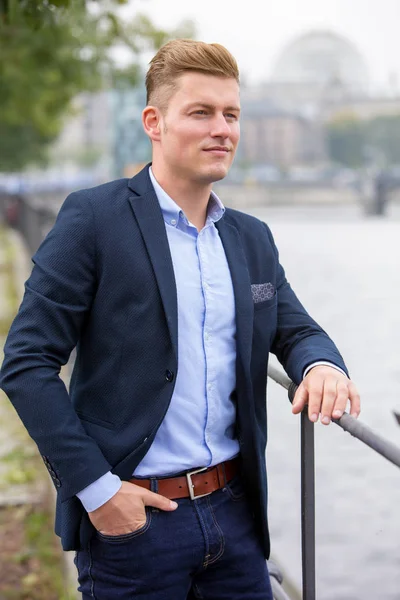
<point x="194" y="484"/>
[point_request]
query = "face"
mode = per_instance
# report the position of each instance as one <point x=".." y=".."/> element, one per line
<point x="199" y="132"/>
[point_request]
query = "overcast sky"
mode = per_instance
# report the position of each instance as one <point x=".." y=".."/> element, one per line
<point x="256" y="30"/>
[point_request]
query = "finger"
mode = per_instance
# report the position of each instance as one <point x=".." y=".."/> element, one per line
<point x="355" y="403"/>
<point x="328" y="399"/>
<point x="300" y="399"/>
<point x="158" y="501"/>
<point x="341" y="399"/>
<point x="315" y="394"/>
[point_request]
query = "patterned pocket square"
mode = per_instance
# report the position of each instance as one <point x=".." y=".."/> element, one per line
<point x="262" y="292"/>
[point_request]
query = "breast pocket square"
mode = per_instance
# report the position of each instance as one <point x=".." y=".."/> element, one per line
<point x="262" y="292"/>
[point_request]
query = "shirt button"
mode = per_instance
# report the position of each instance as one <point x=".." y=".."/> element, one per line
<point x="173" y="221"/>
<point x="169" y="376"/>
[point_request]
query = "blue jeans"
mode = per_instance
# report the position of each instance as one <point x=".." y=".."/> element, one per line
<point x="206" y="549"/>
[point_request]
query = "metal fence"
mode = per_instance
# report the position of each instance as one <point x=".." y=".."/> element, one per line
<point x="31" y="206"/>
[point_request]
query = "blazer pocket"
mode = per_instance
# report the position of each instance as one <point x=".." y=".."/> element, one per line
<point x="95" y="420"/>
<point x="266" y="303"/>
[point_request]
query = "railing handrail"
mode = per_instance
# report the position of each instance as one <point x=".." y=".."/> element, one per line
<point x="276" y="578"/>
<point x="355" y="427"/>
<point x="358" y="430"/>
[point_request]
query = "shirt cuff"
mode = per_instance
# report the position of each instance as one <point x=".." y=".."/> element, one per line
<point x="323" y="363"/>
<point x="100" y="491"/>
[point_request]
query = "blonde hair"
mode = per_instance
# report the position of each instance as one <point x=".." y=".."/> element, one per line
<point x="181" y="56"/>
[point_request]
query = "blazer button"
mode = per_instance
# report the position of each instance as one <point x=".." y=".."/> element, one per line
<point x="169" y="376"/>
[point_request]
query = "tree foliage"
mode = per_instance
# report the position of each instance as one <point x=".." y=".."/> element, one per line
<point x="353" y="142"/>
<point x="50" y="51"/>
<point x="346" y="141"/>
<point x="384" y="133"/>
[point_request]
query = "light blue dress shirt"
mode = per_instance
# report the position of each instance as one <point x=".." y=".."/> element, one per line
<point x="198" y="429"/>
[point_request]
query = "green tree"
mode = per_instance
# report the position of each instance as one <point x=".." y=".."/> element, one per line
<point x="346" y="141"/>
<point x="50" y="51"/>
<point x="352" y="142"/>
<point x="383" y="133"/>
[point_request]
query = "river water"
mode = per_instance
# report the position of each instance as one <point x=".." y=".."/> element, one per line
<point x="345" y="268"/>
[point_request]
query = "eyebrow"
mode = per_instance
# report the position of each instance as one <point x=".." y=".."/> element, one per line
<point x="212" y="107"/>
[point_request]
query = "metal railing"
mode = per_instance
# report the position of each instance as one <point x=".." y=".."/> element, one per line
<point x="358" y="430"/>
<point x="276" y="581"/>
<point x="29" y="215"/>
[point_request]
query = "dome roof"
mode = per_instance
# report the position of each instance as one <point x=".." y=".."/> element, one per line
<point x="321" y="57"/>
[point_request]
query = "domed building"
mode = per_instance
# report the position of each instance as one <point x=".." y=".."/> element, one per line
<point x="322" y="58"/>
<point x="283" y="118"/>
<point x="316" y="69"/>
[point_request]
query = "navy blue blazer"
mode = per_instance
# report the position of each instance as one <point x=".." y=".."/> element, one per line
<point x="103" y="282"/>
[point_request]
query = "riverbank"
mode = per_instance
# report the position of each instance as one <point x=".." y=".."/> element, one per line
<point x="32" y="564"/>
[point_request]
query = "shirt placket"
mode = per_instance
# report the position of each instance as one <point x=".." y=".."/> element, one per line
<point x="206" y="282"/>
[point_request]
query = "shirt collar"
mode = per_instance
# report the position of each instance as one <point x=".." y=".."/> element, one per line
<point x="172" y="212"/>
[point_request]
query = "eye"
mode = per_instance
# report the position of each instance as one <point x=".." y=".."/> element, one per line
<point x="231" y="117"/>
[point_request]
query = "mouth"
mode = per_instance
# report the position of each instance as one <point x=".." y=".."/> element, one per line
<point x="218" y="150"/>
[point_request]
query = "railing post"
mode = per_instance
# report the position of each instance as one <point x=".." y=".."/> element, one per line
<point x="307" y="498"/>
<point x="307" y="488"/>
<point x="307" y="506"/>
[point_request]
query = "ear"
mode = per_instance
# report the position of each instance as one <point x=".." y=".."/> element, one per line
<point x="151" y="122"/>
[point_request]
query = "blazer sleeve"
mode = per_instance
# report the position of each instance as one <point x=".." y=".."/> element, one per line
<point x="299" y="340"/>
<point x="58" y="295"/>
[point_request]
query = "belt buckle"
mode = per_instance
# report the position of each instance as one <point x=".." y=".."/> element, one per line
<point x="191" y="485"/>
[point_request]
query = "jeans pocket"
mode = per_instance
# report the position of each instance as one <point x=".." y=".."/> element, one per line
<point x="118" y="539"/>
<point x="235" y="488"/>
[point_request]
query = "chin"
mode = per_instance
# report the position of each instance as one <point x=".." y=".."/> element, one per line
<point x="216" y="173"/>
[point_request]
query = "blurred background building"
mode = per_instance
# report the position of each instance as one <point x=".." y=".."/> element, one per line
<point x="319" y="78"/>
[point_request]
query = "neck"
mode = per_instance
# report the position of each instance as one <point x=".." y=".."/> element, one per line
<point x="190" y="196"/>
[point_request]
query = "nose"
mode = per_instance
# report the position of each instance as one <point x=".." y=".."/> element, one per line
<point x="219" y="127"/>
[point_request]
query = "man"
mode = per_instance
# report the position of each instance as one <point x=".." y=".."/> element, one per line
<point x="173" y="303"/>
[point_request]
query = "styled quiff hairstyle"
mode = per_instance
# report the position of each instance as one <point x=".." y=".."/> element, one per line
<point x="181" y="56"/>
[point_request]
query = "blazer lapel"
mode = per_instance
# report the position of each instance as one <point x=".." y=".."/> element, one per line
<point x="151" y="223"/>
<point x="150" y="220"/>
<point x="242" y="288"/>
